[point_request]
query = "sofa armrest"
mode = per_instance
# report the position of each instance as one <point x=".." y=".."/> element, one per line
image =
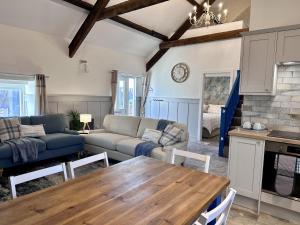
<point x="97" y="131"/>
<point x="168" y="149"/>
<point x="73" y="132"/>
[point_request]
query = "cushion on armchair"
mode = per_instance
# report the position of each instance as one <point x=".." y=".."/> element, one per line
<point x="61" y="140"/>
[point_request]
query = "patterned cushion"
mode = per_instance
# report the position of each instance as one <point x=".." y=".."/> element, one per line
<point x="152" y="135"/>
<point x="9" y="129"/>
<point x="171" y="135"/>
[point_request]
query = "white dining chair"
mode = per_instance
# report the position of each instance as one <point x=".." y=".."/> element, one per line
<point x="15" y="180"/>
<point x="220" y="213"/>
<point x="191" y="155"/>
<point x="85" y="161"/>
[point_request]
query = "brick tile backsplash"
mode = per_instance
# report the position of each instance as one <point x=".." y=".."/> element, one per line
<point x="281" y="111"/>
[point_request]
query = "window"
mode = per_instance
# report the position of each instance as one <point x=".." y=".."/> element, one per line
<point x="128" y="95"/>
<point x="17" y="96"/>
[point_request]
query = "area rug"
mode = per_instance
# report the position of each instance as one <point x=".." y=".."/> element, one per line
<point x="218" y="166"/>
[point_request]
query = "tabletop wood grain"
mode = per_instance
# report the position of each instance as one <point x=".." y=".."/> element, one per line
<point x="138" y="191"/>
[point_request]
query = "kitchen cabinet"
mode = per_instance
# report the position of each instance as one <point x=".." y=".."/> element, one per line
<point x="246" y="158"/>
<point x="258" y="64"/>
<point x="288" y="47"/>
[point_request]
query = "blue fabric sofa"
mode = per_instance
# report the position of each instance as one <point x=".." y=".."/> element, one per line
<point x="59" y="140"/>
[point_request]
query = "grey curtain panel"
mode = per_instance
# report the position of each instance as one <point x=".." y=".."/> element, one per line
<point x="114" y="83"/>
<point x="41" y="94"/>
<point x="146" y="86"/>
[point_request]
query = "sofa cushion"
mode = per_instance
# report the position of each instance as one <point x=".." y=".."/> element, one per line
<point x="60" y="140"/>
<point x="105" y="140"/>
<point x="124" y="125"/>
<point x="127" y="146"/>
<point x="146" y="123"/>
<point x="25" y="120"/>
<point x="5" y="151"/>
<point x="55" y="123"/>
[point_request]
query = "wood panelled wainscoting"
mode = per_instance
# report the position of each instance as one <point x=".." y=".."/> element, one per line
<point x="181" y="110"/>
<point x="98" y="106"/>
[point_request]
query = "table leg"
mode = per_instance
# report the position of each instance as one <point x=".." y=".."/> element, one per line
<point x="213" y="205"/>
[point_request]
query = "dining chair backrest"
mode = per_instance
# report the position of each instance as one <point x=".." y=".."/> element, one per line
<point x="191" y="155"/>
<point x="220" y="213"/>
<point x="15" y="180"/>
<point x="85" y="161"/>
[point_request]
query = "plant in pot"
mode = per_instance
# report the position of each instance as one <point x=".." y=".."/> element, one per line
<point x="75" y="123"/>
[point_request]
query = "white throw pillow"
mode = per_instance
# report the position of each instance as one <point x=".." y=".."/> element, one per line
<point x="32" y="130"/>
<point x="216" y="109"/>
<point x="205" y="108"/>
<point x="152" y="135"/>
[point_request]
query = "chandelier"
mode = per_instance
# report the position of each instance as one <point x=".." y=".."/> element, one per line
<point x="208" y="17"/>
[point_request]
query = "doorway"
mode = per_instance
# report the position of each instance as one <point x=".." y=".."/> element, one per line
<point x="129" y="89"/>
<point x="216" y="90"/>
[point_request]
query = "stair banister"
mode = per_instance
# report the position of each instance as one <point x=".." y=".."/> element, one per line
<point x="227" y="113"/>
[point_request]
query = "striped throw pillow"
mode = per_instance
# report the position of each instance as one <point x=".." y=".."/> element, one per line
<point x="9" y="129"/>
<point x="171" y="135"/>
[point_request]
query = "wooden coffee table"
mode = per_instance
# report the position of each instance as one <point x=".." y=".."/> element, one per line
<point x="138" y="191"/>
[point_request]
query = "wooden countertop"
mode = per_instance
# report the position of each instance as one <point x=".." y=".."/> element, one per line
<point x="261" y="135"/>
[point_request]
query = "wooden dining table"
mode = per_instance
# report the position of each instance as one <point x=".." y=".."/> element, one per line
<point x="137" y="191"/>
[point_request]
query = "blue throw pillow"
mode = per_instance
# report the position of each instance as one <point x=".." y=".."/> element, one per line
<point x="55" y="123"/>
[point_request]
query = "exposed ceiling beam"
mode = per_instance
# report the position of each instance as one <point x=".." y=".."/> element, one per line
<point x="128" y="6"/>
<point x="193" y="2"/>
<point x="178" y="33"/>
<point x="140" y="28"/>
<point x="87" y="25"/>
<point x="87" y="6"/>
<point x="203" y="38"/>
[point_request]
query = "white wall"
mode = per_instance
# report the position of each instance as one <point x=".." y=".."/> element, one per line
<point x="30" y="52"/>
<point x="274" y="13"/>
<point x="207" y="57"/>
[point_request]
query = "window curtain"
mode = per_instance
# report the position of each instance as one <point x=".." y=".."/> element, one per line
<point x="146" y="87"/>
<point x="41" y="95"/>
<point x="114" y="83"/>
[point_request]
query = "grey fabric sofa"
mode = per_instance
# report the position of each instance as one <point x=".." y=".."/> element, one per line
<point x="59" y="140"/>
<point x="121" y="134"/>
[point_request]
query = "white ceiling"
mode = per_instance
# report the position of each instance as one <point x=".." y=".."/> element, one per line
<point x="57" y="18"/>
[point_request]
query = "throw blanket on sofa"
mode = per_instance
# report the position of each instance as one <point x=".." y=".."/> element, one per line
<point x="146" y="148"/>
<point x="23" y="149"/>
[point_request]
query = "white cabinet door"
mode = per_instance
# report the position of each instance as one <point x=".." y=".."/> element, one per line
<point x="258" y="63"/>
<point x="246" y="166"/>
<point x="288" y="46"/>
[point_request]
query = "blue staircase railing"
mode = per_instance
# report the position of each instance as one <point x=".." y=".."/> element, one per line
<point x="227" y="113"/>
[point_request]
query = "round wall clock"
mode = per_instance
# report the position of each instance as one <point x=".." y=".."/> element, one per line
<point x="180" y="72"/>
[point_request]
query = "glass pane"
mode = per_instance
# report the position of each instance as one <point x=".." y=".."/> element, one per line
<point x="17" y="98"/>
<point x="121" y="95"/>
<point x="131" y="96"/>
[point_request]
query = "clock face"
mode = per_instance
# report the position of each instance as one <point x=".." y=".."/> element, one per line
<point x="180" y="72"/>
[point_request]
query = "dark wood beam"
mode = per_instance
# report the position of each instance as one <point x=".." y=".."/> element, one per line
<point x="203" y="39"/>
<point x="128" y="6"/>
<point x="87" y="26"/>
<point x="81" y="4"/>
<point x="121" y="20"/>
<point x="193" y="2"/>
<point x="140" y="28"/>
<point x="178" y="33"/>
